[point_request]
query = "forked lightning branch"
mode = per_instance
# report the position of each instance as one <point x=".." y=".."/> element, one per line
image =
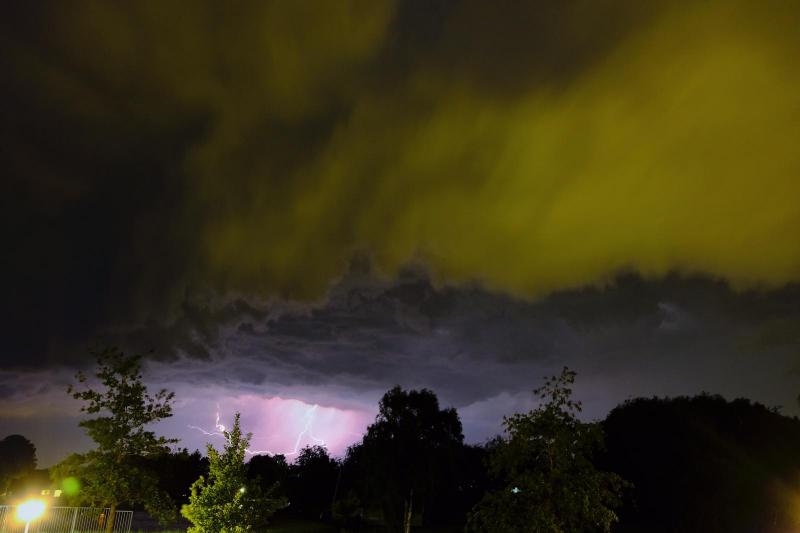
<point x="306" y="434"/>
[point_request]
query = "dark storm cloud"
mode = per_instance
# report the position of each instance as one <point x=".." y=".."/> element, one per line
<point x="155" y="151"/>
<point x="481" y="351"/>
<point x="633" y="336"/>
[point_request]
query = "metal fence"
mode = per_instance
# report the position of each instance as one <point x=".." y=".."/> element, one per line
<point x="66" y="520"/>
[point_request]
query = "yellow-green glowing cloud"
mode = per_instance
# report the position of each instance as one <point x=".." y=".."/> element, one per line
<point x="667" y="142"/>
<point x="676" y="151"/>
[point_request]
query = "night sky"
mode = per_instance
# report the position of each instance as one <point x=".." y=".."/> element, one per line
<point x="293" y="206"/>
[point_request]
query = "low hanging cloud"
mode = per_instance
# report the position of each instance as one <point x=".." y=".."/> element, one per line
<point x="482" y="352"/>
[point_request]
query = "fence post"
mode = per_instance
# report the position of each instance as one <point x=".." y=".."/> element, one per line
<point x="74" y="518"/>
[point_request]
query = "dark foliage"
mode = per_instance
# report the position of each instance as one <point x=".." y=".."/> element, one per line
<point x="410" y="455"/>
<point x="177" y="471"/>
<point x="269" y="470"/>
<point x="349" y="508"/>
<point x="705" y="464"/>
<point x="312" y="482"/>
<point x="17" y="459"/>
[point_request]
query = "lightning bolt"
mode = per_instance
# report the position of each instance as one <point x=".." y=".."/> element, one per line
<point x="219" y="431"/>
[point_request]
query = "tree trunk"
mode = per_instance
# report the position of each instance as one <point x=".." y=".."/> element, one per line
<point x="407" y="512"/>
<point x="112" y="514"/>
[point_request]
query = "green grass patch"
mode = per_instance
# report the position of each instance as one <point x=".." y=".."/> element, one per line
<point x="300" y="526"/>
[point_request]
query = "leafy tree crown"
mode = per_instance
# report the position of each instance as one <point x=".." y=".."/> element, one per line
<point x="124" y="404"/>
<point x="115" y="471"/>
<point x="227" y="501"/>
<point x="545" y="468"/>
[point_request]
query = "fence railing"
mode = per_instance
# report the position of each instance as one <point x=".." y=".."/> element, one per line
<point x="66" y="520"/>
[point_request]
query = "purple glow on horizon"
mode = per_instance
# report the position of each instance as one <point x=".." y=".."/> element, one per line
<point x="286" y="425"/>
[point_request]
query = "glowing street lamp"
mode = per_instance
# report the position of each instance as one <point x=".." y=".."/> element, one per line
<point x="29" y="511"/>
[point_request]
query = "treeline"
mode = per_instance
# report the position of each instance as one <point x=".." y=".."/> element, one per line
<point x="694" y="464"/>
<point x="691" y="464"/>
<point x="653" y="465"/>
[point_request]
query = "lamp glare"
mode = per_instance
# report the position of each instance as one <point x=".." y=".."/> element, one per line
<point x="30" y="510"/>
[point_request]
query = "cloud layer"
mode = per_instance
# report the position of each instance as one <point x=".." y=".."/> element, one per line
<point x="480" y="351"/>
<point x="154" y="149"/>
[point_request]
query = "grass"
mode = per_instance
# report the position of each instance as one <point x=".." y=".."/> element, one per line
<point x="163" y="531"/>
<point x="297" y="525"/>
<point x="279" y="526"/>
<point x="300" y="526"/>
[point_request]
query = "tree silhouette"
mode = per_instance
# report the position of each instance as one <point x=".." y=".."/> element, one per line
<point x="312" y="481"/>
<point x="177" y="471"/>
<point x="409" y="453"/>
<point x="705" y="464"/>
<point x="114" y="473"/>
<point x="269" y="470"/>
<point x="464" y="487"/>
<point x="17" y="459"/>
<point x="352" y="489"/>
<point x="548" y="482"/>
